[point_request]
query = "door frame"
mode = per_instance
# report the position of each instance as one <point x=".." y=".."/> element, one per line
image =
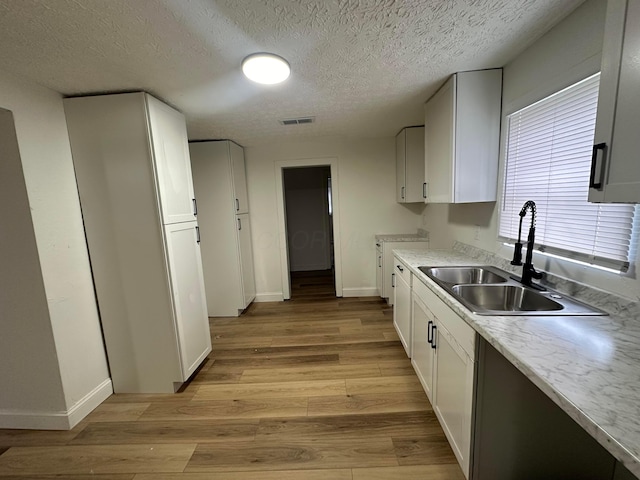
<point x="332" y="163"/>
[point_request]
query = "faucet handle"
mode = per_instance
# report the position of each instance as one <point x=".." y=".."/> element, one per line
<point x="517" y="254"/>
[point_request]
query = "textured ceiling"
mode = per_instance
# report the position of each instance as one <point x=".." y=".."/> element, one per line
<point x="361" y="67"/>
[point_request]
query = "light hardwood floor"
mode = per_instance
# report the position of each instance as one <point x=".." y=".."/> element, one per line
<point x="315" y="388"/>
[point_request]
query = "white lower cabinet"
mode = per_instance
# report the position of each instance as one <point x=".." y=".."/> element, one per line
<point x="423" y="353"/>
<point x="386" y="264"/>
<point x="402" y="304"/>
<point x="444" y="360"/>
<point x="187" y="285"/>
<point x="248" y="284"/>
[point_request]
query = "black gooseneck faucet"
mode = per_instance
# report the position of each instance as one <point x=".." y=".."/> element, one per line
<point x="528" y="272"/>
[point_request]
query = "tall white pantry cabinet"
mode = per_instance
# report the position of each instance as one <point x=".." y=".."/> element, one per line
<point x="131" y="157"/>
<point x="220" y="183"/>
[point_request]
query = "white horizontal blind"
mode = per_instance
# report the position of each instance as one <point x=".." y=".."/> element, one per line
<point x="548" y="160"/>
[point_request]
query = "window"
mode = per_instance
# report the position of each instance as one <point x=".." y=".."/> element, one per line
<point x="548" y="160"/>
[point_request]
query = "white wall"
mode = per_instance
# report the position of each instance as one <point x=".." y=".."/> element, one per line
<point x="569" y="52"/>
<point x="62" y="254"/>
<point x="367" y="200"/>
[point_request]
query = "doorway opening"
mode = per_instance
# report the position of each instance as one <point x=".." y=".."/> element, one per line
<point x="309" y="229"/>
<point x="308" y="212"/>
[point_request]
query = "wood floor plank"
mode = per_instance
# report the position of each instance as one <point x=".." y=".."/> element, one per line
<point x="330" y="339"/>
<point x="240" y="364"/>
<point x="226" y="340"/>
<point x="116" y="476"/>
<point x="327" y="474"/>
<point x="228" y="409"/>
<point x="182" y="431"/>
<point x="292" y="455"/>
<point x="153" y="398"/>
<point x="325" y="372"/>
<point x="217" y="376"/>
<point x="403" y="424"/>
<point x="96" y="459"/>
<point x="392" y="384"/>
<point x="422" y="472"/>
<point x="117" y="412"/>
<point x="291" y="350"/>
<point x="310" y="388"/>
<point x="369" y="403"/>
<point x="428" y="450"/>
<point x="389" y="368"/>
<point x="26" y="438"/>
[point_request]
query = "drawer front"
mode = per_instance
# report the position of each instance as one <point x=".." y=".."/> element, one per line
<point x="401" y="270"/>
<point x="463" y="334"/>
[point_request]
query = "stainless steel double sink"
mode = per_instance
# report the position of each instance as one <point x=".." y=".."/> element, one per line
<point x="487" y="290"/>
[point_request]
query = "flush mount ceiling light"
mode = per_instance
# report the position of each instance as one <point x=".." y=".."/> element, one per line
<point x="266" y="68"/>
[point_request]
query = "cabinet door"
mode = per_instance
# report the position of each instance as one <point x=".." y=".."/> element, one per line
<point x="239" y="178"/>
<point x="453" y="393"/>
<point x="400" y="167"/>
<point x="422" y="353"/>
<point x="415" y="189"/>
<point x="246" y="259"/>
<point x="379" y="273"/>
<point x="402" y="309"/>
<point x="172" y="163"/>
<point x="187" y="285"/>
<point x="439" y="141"/>
<point x="615" y="173"/>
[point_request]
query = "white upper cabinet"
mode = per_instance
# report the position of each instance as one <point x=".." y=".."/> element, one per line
<point x="410" y="165"/>
<point x="239" y="179"/>
<point x="462" y="135"/>
<point x="615" y="169"/>
<point x="173" y="168"/>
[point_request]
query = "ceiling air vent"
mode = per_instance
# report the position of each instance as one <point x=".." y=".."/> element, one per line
<point x="298" y="121"/>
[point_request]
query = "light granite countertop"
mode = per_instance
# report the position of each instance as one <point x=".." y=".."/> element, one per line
<point x="589" y="366"/>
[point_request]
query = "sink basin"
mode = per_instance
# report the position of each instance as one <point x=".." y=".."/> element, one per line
<point x="464" y="275"/>
<point x="488" y="290"/>
<point x="505" y="298"/>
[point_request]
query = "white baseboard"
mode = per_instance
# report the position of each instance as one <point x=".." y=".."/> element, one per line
<point x="269" y="297"/>
<point x="360" y="292"/>
<point x="61" y="420"/>
<point x="89" y="402"/>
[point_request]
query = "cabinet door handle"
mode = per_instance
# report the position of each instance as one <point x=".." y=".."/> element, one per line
<point x="379" y="261"/>
<point x="402" y="193"/>
<point x="239" y="224"/>
<point x="429" y="332"/>
<point x="400" y="268"/>
<point x="594" y="165"/>
<point x="424" y="190"/>
<point x="393" y="280"/>
<point x="434" y="330"/>
<point x="237" y="205"/>
<point x="197" y="234"/>
<point x="195" y="208"/>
